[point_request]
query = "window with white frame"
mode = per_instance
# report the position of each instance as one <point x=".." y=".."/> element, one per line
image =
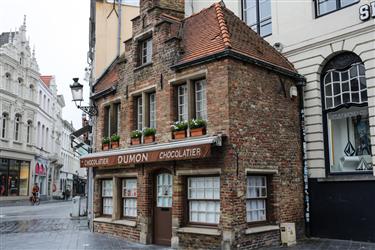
<point x="29" y="131"/>
<point x="146" y="51"/>
<point x="327" y="6"/>
<point x="152" y="110"/>
<point x="164" y="190"/>
<point x="129" y="197"/>
<point x="204" y="199"/>
<point x="182" y="102"/>
<point x="200" y="99"/>
<point x="139" y="112"/>
<point x="17" y="127"/>
<point x="257" y="14"/>
<point x="118" y="117"/>
<point x="107" y="192"/>
<point x="256" y="198"/>
<point x="346" y="116"/>
<point x="4" y="125"/>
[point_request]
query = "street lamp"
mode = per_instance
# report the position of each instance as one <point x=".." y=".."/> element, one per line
<point x="77" y="93"/>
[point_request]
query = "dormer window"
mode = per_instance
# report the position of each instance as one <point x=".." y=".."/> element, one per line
<point x="145" y="51"/>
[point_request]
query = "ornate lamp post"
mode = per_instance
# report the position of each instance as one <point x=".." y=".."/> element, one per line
<point x="77" y="94"/>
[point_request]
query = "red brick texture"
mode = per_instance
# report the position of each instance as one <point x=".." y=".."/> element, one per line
<point x="247" y="104"/>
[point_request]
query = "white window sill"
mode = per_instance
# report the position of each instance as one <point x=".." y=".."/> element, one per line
<point x="199" y="230"/>
<point x="129" y="223"/>
<point x="261" y="229"/>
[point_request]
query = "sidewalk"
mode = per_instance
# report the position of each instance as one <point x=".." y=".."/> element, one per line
<point x="25" y="202"/>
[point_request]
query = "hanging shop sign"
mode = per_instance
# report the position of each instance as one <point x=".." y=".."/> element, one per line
<point x="367" y="11"/>
<point x="172" y="154"/>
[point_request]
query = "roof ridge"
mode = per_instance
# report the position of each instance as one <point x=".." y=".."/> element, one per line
<point x="222" y="24"/>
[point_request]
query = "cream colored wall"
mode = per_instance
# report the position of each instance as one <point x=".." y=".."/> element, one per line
<point x="107" y="33"/>
<point x="194" y="6"/>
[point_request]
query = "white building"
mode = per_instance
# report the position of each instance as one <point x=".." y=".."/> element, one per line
<point x="19" y="79"/>
<point x="331" y="43"/>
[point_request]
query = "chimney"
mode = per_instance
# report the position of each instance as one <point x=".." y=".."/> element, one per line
<point x="173" y="5"/>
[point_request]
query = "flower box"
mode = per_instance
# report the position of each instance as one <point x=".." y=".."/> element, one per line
<point x="179" y="134"/>
<point x="136" y="141"/>
<point x="197" y="131"/>
<point x="114" y="144"/>
<point x="105" y="146"/>
<point x="149" y="138"/>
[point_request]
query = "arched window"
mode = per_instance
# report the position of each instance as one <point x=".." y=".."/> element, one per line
<point x="8" y="80"/>
<point x="40" y="98"/>
<point x="44" y="102"/>
<point x="31" y="92"/>
<point x="4" y="125"/>
<point x="29" y="131"/>
<point x="48" y="103"/>
<point x="42" y="140"/>
<point x="17" y="127"/>
<point x="18" y="89"/>
<point x="345" y="114"/>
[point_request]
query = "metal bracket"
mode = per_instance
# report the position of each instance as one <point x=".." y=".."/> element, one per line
<point x="90" y="110"/>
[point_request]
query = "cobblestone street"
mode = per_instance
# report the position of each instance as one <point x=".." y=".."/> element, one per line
<point x="48" y="226"/>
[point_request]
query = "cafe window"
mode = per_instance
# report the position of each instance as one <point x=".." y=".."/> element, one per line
<point x="4" y="125"/>
<point x="346" y="117"/>
<point x="129" y="197"/>
<point x="196" y="92"/>
<point x="107" y="191"/>
<point x="257" y="14"/>
<point x="256" y="198"/>
<point x="204" y="199"/>
<point x="17" y="127"/>
<point x="327" y="6"/>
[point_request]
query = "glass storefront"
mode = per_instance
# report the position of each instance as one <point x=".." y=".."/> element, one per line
<point x="14" y="177"/>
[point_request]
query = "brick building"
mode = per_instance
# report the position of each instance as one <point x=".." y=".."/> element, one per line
<point x="230" y="187"/>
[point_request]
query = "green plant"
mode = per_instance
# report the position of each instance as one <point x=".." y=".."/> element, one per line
<point x="149" y="131"/>
<point x="106" y="140"/>
<point x="179" y="126"/>
<point x="136" y="134"/>
<point x="197" y="123"/>
<point x="115" y="138"/>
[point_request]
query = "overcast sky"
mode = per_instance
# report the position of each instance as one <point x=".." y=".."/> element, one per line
<point x="59" y="31"/>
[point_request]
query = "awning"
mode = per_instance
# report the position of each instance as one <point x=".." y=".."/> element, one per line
<point x="194" y="148"/>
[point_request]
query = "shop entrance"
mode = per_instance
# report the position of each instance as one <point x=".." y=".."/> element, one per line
<point x="163" y="209"/>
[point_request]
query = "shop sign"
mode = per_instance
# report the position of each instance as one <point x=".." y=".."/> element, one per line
<point x="183" y="153"/>
<point x="367" y="11"/>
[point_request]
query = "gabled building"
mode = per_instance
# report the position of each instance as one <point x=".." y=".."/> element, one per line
<point x="232" y="185"/>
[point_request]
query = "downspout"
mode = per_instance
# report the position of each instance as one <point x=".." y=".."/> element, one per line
<point x="119" y="28"/>
<point x="305" y="170"/>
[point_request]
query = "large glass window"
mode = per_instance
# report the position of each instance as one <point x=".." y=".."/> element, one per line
<point x="326" y="6"/>
<point x="24" y="178"/>
<point x="107" y="197"/>
<point x="256" y="197"/>
<point x="204" y="199"/>
<point x="346" y="114"/>
<point x="4" y="177"/>
<point x="257" y="14"/>
<point x="129" y="197"/>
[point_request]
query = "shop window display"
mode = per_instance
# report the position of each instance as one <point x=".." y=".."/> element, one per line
<point x="14" y="177"/>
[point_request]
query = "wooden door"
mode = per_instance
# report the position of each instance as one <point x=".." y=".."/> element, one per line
<point x="163" y="209"/>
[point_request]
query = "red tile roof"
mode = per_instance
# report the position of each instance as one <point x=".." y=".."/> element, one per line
<point x="217" y="29"/>
<point x="46" y="80"/>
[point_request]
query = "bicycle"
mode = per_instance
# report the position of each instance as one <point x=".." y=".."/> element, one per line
<point x="34" y="200"/>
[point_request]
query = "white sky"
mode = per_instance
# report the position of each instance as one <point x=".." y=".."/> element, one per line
<point x="59" y="31"/>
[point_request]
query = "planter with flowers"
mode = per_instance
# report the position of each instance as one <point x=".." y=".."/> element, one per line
<point x="105" y="143"/>
<point x="149" y="135"/>
<point x="136" y="136"/>
<point x="115" y="141"/>
<point x="197" y="127"/>
<point x="179" y="129"/>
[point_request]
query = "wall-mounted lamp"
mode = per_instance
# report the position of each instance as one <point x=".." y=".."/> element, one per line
<point x="293" y="92"/>
<point x="77" y="94"/>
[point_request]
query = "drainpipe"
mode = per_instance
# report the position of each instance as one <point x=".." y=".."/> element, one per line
<point x="300" y="86"/>
<point x="119" y="28"/>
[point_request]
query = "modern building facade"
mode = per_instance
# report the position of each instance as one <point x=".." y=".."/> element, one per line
<point x="332" y="44"/>
<point x="231" y="186"/>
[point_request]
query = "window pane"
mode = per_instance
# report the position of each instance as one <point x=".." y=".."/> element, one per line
<point x="107" y="206"/>
<point x="256" y="186"/>
<point x="107" y="188"/>
<point x="256" y="210"/>
<point x="204" y="211"/>
<point x="200" y="99"/>
<point x="139" y="113"/>
<point x="152" y="110"/>
<point x="164" y="190"/>
<point x="250" y="12"/>
<point x="325" y="6"/>
<point x="182" y="103"/>
<point x="347" y="2"/>
<point x="349" y="140"/>
<point x="130" y="207"/>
